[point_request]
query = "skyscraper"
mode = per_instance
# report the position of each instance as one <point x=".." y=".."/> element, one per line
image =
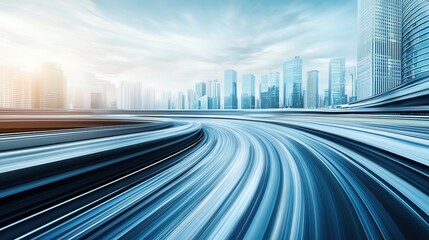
<point x="230" y="93"/>
<point x="179" y="101"/>
<point x="130" y="95"/>
<point x="351" y="83"/>
<point x="337" y="91"/>
<point x="49" y="87"/>
<point x="200" y="89"/>
<point x="149" y="102"/>
<point x="248" y="92"/>
<point x="167" y="101"/>
<point x="292" y="83"/>
<point x="312" y="89"/>
<point x="213" y="94"/>
<point x="191" y="99"/>
<point x="326" y="98"/>
<point x="274" y="89"/>
<point x="15" y="88"/>
<point x="263" y="92"/>
<point x="97" y="94"/>
<point x="415" y="40"/>
<point x="379" y="46"/>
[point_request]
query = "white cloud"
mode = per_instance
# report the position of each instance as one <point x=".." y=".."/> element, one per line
<point x="172" y="52"/>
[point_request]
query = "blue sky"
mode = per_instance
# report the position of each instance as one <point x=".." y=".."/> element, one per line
<point x="173" y="44"/>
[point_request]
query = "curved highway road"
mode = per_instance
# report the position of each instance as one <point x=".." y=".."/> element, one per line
<point x="254" y="177"/>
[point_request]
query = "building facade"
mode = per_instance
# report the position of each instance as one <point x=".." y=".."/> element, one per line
<point x="263" y="92"/>
<point x="292" y="83"/>
<point x="248" y="92"/>
<point x="200" y="89"/>
<point x="274" y="89"/>
<point x="130" y="95"/>
<point x="379" y="46"/>
<point x="337" y="74"/>
<point x="351" y="83"/>
<point x="15" y="88"/>
<point x="230" y="89"/>
<point x="213" y="94"/>
<point x="415" y="40"/>
<point x="312" y="94"/>
<point x="49" y="87"/>
<point x="149" y="98"/>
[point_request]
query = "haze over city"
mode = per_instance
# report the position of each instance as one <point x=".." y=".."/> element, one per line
<point x="170" y="45"/>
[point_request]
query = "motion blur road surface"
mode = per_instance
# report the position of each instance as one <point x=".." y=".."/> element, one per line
<point x="189" y="175"/>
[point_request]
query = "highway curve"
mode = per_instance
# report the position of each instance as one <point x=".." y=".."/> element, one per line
<point x="191" y="176"/>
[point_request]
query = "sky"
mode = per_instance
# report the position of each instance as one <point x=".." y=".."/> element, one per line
<point x="172" y="44"/>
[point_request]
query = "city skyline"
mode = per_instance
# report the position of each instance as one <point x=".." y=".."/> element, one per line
<point x="96" y="38"/>
<point x="379" y="68"/>
<point x="234" y="119"/>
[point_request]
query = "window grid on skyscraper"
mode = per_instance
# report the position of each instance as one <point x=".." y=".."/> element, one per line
<point x="415" y="40"/>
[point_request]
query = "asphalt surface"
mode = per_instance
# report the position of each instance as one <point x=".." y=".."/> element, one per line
<point x="253" y="176"/>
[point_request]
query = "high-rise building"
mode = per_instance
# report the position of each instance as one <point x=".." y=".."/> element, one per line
<point x="248" y="92"/>
<point x="179" y="101"/>
<point x="263" y="92"/>
<point x="192" y="101"/>
<point x="269" y="90"/>
<point x="167" y="101"/>
<point x="230" y="93"/>
<point x="130" y="95"/>
<point x="312" y="94"/>
<point x="337" y="90"/>
<point x="149" y="99"/>
<point x="379" y="46"/>
<point x="415" y="40"/>
<point x="97" y="94"/>
<point x="203" y="103"/>
<point x="351" y="83"/>
<point x="200" y="89"/>
<point x="96" y="100"/>
<point x="213" y="94"/>
<point x="49" y="87"/>
<point x="15" y="88"/>
<point x="274" y="89"/>
<point x="326" y="100"/>
<point x="292" y="83"/>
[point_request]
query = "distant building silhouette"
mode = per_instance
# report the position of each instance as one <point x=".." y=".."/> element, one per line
<point x="15" y="88"/>
<point x="149" y="98"/>
<point x="337" y="74"/>
<point x="230" y="89"/>
<point x="200" y="89"/>
<point x="49" y="87"/>
<point x="312" y="94"/>
<point x="264" y="95"/>
<point x="274" y="89"/>
<point x="130" y="95"/>
<point x="213" y="94"/>
<point x="248" y="92"/>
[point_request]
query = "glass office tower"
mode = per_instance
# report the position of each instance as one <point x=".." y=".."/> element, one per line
<point x="248" y="92"/>
<point x="274" y="89"/>
<point x="292" y="83"/>
<point x="264" y="93"/>
<point x="230" y="93"/>
<point x="337" y="81"/>
<point x="379" y="46"/>
<point x="213" y="94"/>
<point x="200" y="89"/>
<point x="312" y="97"/>
<point x="415" y="40"/>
